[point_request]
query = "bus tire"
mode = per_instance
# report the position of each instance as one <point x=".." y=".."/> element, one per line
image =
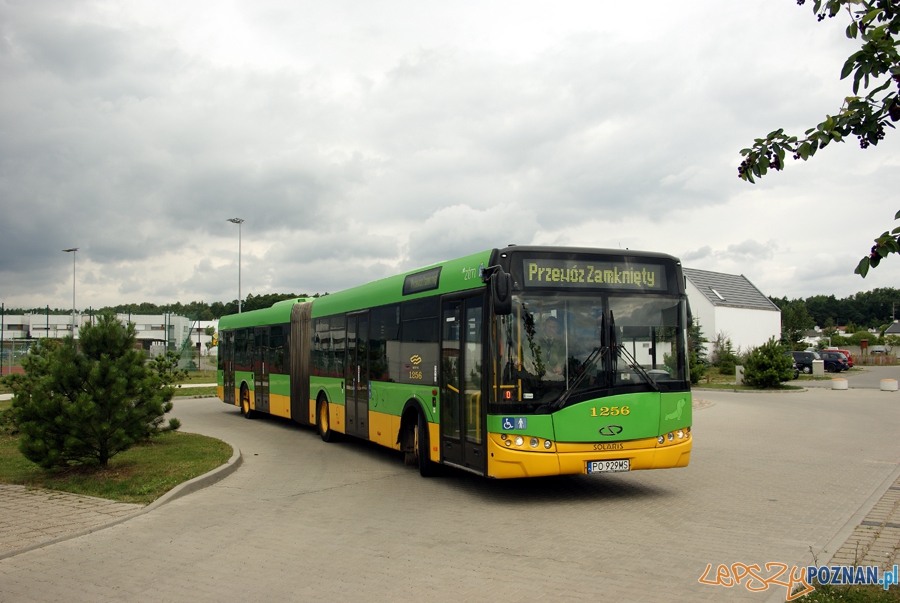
<point x="245" y="403"/>
<point x="426" y="467"/>
<point x="323" y="422"/>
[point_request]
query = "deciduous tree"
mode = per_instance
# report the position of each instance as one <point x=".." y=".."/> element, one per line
<point x="876" y="65"/>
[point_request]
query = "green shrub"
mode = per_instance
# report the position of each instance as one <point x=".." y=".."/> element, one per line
<point x="726" y="366"/>
<point x="84" y="402"/>
<point x="767" y="366"/>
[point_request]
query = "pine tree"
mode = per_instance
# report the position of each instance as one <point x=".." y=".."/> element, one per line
<point x="84" y="402"/>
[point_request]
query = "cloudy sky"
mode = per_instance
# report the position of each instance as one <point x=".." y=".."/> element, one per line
<point x="360" y="138"/>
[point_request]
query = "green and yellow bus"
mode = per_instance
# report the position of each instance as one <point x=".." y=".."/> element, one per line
<point x="513" y="362"/>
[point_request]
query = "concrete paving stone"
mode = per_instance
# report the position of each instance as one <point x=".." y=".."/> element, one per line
<point x="770" y="476"/>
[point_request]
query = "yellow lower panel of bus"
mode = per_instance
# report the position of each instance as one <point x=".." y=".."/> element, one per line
<point x="220" y="392"/>
<point x="504" y="462"/>
<point x="312" y="411"/>
<point x="337" y="417"/>
<point x="381" y="429"/>
<point x="280" y="405"/>
<point x="434" y="434"/>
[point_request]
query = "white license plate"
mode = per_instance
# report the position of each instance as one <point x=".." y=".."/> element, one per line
<point x="615" y="466"/>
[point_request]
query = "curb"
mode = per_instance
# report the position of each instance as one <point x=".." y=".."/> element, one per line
<point x="182" y="489"/>
<point x="838" y="540"/>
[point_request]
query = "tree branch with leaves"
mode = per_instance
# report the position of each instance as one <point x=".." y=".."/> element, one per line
<point x="877" y="63"/>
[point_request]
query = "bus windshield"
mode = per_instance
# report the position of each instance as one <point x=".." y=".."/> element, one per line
<point x="557" y="346"/>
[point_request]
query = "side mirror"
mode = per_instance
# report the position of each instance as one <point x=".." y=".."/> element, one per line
<point x="501" y="292"/>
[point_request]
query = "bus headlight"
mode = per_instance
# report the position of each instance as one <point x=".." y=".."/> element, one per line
<point x="519" y="440"/>
<point x="680" y="434"/>
<point x="661" y="439"/>
<point x="671" y="436"/>
<point x="509" y="442"/>
<point x="534" y="442"/>
<point x="548" y="444"/>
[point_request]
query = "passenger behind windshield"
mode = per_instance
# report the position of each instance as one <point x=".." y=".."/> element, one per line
<point x="553" y="349"/>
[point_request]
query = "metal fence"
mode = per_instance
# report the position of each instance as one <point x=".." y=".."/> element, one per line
<point x="12" y="351"/>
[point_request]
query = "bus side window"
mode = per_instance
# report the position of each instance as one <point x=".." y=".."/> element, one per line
<point x="384" y="333"/>
<point x="275" y="353"/>
<point x="321" y="346"/>
<point x="240" y="349"/>
<point x="338" y="346"/>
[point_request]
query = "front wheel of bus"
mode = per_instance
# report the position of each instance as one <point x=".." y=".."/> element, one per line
<point x="323" y="423"/>
<point x="426" y="467"/>
<point x="245" y="403"/>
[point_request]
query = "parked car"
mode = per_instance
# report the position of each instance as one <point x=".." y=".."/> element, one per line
<point x="844" y="352"/>
<point x="804" y="360"/>
<point x="835" y="362"/>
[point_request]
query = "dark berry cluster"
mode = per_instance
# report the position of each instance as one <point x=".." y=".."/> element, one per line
<point x="894" y="110"/>
<point x="864" y="139"/>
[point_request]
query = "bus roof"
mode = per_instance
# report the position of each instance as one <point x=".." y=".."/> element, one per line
<point x="277" y="313"/>
<point x="442" y="277"/>
<point x="455" y="275"/>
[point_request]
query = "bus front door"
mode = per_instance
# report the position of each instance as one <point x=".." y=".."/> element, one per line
<point x="261" y="368"/>
<point x="356" y="376"/>
<point x="462" y="417"/>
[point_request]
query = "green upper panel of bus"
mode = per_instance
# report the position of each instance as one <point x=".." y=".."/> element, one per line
<point x="444" y="277"/>
<point x="278" y="313"/>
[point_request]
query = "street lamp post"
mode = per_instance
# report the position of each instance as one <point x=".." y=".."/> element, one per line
<point x="238" y="221"/>
<point x="73" y="251"/>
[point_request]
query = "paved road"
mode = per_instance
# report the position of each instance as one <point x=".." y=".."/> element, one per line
<point x="301" y="520"/>
<point x="868" y="377"/>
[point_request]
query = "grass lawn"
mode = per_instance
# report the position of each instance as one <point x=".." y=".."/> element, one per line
<point x="717" y="380"/>
<point x="851" y="594"/>
<point x="199" y="377"/>
<point x="195" y="391"/>
<point x="139" y="475"/>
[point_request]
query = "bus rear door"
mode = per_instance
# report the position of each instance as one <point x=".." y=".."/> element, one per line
<point x="261" y="368"/>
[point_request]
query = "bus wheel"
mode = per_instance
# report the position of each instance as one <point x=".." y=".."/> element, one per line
<point x="323" y="424"/>
<point x="420" y="437"/>
<point x="245" y="403"/>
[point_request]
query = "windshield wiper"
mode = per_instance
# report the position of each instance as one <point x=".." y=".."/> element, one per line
<point x="622" y="350"/>
<point x="586" y="367"/>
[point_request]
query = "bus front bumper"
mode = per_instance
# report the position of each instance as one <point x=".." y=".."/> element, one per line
<point x="567" y="459"/>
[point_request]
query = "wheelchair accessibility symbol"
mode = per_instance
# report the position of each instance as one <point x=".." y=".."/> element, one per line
<point x="509" y="423"/>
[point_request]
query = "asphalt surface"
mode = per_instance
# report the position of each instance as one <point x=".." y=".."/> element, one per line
<point x="867" y="377"/>
<point x="771" y="477"/>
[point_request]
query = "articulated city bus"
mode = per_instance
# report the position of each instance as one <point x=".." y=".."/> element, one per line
<point x="513" y="362"/>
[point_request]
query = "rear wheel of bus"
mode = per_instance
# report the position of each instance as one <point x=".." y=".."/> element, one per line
<point x="421" y="446"/>
<point x="245" y="402"/>
<point x="323" y="421"/>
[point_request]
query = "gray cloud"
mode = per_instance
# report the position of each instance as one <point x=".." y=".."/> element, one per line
<point x="697" y="254"/>
<point x="752" y="250"/>
<point x="361" y="142"/>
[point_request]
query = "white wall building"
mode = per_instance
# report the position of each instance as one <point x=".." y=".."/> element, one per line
<point x="153" y="331"/>
<point x="732" y="305"/>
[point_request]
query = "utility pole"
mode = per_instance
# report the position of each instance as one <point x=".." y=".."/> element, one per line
<point x="74" y="252"/>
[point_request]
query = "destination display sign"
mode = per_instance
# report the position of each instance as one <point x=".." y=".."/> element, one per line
<point x="422" y="281"/>
<point x="593" y="275"/>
